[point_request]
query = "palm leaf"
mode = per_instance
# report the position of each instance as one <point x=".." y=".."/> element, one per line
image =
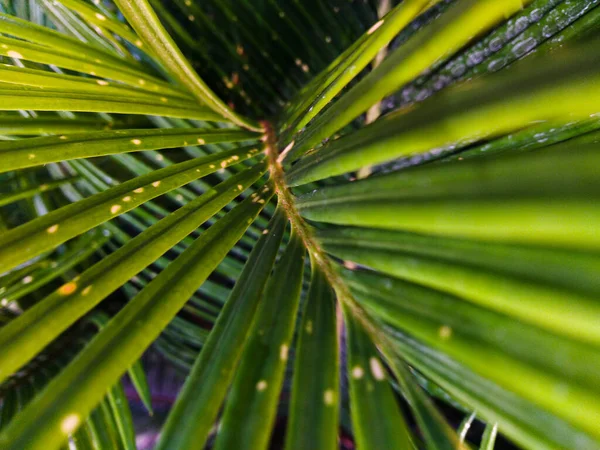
<point x="136" y="216"/>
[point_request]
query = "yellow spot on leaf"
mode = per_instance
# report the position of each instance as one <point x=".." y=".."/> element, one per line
<point x="261" y="385"/>
<point x="115" y="209"/>
<point x="445" y="332"/>
<point x="309" y="327"/>
<point x="52" y="229"/>
<point x="136" y="141"/>
<point x="70" y="423"/>
<point x="375" y="26"/>
<point x="357" y="372"/>
<point x="68" y="288"/>
<point x="14" y="54"/>
<point x="377" y="369"/>
<point x="283" y="352"/>
<point x="328" y="397"/>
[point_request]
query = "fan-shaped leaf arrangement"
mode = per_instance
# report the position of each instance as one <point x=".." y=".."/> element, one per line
<point x="335" y="216"/>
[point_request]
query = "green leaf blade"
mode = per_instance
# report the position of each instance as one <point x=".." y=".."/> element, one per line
<point x="538" y="89"/>
<point x="250" y="411"/>
<point x="314" y="407"/>
<point x="503" y="351"/>
<point x="42" y="150"/>
<point x="26" y="336"/>
<point x="197" y="407"/>
<point x="46" y="232"/>
<point x="376" y="416"/>
<point x="447" y="35"/>
<point x="78" y="388"/>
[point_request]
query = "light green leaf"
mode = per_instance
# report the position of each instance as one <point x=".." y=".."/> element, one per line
<point x="99" y="67"/>
<point x="539" y="89"/>
<point x="314" y="407"/>
<point x="144" y="21"/>
<point x="31" y="332"/>
<point x="82" y="439"/>
<point x="136" y="371"/>
<point x="42" y="150"/>
<point x="465" y="426"/>
<point x="119" y="407"/>
<point x="335" y="78"/>
<point x="6" y="199"/>
<point x="195" y="411"/>
<point x="58" y="410"/>
<point x="568" y="312"/>
<point x="252" y="402"/>
<point x="93" y="16"/>
<point x="60" y="43"/>
<point x="526" y="423"/>
<point x="461" y="23"/>
<point x="18" y="78"/>
<point x="574" y="271"/>
<point x="81" y="251"/>
<point x="509" y="353"/>
<point x="489" y="437"/>
<point x="140" y="383"/>
<point x="494" y="199"/>
<point x="105" y="428"/>
<point x="46" y="232"/>
<point x="21" y="126"/>
<point x="376" y="418"/>
<point x="44" y="100"/>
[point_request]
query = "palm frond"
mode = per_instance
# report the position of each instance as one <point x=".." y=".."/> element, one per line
<point x="452" y="236"/>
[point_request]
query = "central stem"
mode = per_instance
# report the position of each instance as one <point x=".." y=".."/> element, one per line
<point x="317" y="255"/>
<point x="302" y="229"/>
